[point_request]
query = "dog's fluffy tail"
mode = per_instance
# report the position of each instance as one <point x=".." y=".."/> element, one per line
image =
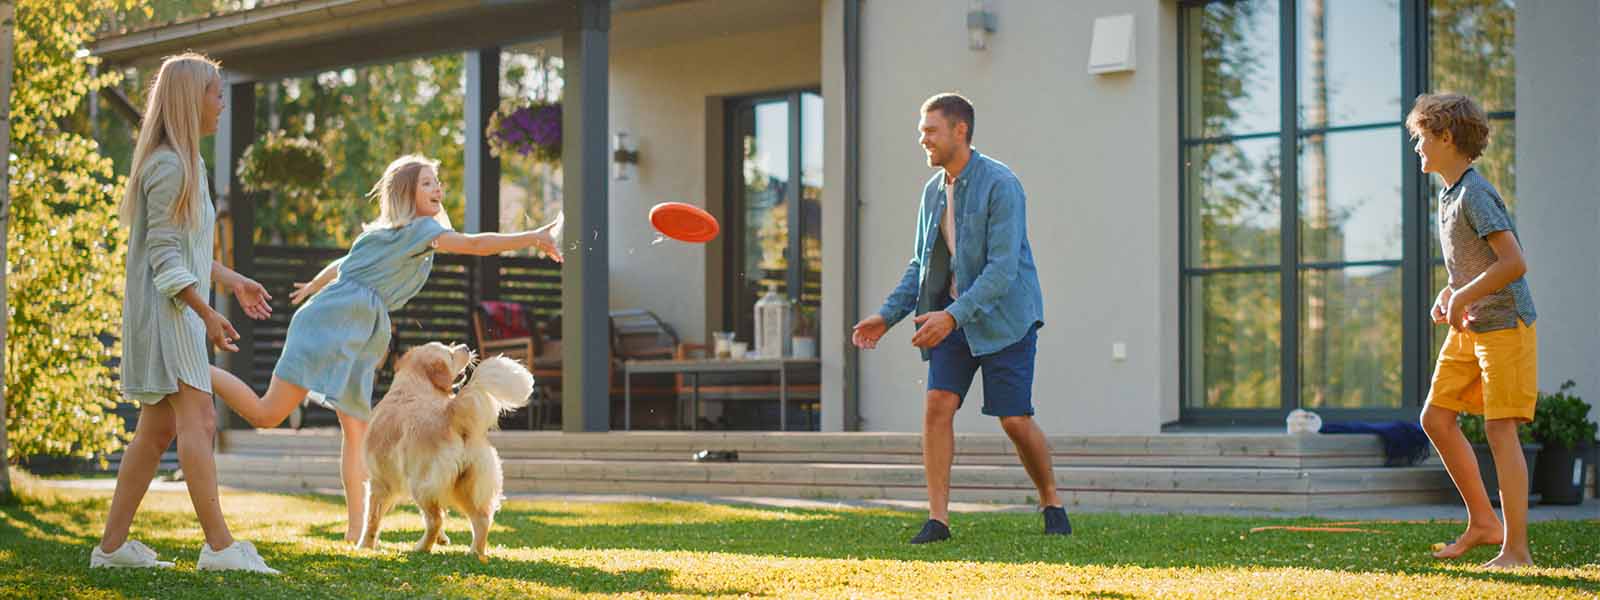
<point x="498" y="385"/>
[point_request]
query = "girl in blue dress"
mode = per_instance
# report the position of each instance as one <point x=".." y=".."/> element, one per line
<point x="337" y="341"/>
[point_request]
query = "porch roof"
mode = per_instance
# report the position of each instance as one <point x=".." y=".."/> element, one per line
<point x="298" y="37"/>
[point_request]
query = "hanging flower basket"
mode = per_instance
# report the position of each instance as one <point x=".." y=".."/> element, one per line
<point x="278" y="161"/>
<point x="526" y="128"/>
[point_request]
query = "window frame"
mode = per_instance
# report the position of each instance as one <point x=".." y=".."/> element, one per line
<point x="1416" y="262"/>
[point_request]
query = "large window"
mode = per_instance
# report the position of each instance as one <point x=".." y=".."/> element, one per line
<point x="1308" y="253"/>
<point x="775" y="188"/>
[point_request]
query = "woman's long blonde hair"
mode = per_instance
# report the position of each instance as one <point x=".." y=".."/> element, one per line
<point x="396" y="193"/>
<point x="172" y="118"/>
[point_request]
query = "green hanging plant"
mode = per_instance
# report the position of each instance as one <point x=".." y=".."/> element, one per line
<point x="279" y="162"/>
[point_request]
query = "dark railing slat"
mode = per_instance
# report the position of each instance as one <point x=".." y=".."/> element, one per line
<point x="442" y="311"/>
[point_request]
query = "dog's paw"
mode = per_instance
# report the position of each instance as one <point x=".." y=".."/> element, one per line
<point x="483" y="558"/>
<point x="444" y="540"/>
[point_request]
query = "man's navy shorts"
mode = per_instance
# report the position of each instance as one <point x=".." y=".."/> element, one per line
<point x="1007" y="374"/>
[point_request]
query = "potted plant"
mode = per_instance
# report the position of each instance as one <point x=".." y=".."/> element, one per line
<point x="1472" y="427"/>
<point x="287" y="176"/>
<point x="526" y="128"/>
<point x="1561" y="423"/>
<point x="805" y="332"/>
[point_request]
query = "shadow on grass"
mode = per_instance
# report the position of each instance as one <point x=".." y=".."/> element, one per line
<point x="42" y="557"/>
<point x="1110" y="540"/>
<point x="1149" y="541"/>
<point x="1114" y="540"/>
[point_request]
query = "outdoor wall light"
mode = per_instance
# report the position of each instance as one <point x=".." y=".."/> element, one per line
<point x="980" y="23"/>
<point x="623" y="157"/>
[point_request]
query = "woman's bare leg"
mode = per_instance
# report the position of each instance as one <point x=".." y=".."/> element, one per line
<point x="197" y="430"/>
<point x="156" y="429"/>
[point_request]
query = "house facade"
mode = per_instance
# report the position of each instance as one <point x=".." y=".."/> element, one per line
<point x="1222" y="200"/>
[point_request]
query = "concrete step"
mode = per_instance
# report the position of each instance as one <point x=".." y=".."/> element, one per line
<point x="1165" y="487"/>
<point x="1255" y="451"/>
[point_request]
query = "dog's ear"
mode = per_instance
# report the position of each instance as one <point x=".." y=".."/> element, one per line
<point x="439" y="372"/>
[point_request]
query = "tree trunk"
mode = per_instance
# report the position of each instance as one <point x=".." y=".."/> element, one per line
<point x="7" y="31"/>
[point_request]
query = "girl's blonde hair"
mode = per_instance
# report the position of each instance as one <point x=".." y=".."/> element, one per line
<point x="396" y="193"/>
<point x="172" y="119"/>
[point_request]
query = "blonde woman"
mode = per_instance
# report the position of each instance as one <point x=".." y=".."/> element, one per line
<point x="338" y="339"/>
<point x="166" y="322"/>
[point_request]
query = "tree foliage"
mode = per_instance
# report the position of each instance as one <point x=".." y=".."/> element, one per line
<point x="65" y="276"/>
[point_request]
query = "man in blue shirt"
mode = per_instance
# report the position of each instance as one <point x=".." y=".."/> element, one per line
<point x="975" y="291"/>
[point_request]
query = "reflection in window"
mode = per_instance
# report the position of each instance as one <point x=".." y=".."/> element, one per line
<point x="1472" y="48"/>
<point x="1233" y="321"/>
<point x="1350" y="349"/>
<point x="1350" y="196"/>
<point x="1350" y="192"/>
<point x="1233" y="70"/>
<point x="1349" y="65"/>
<point x="1234" y="201"/>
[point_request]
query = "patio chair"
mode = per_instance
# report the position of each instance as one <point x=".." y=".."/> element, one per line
<point x="502" y="327"/>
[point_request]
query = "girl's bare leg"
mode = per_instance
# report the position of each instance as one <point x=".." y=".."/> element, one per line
<point x="353" y="470"/>
<point x="261" y="411"/>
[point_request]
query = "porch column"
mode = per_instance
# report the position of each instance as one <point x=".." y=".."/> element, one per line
<point x="236" y="131"/>
<point x="482" y="177"/>
<point x="842" y="304"/>
<point x="585" y="292"/>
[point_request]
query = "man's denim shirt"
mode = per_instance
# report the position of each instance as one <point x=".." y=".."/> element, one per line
<point x="998" y="299"/>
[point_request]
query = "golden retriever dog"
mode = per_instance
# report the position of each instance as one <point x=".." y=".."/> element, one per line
<point x="434" y="444"/>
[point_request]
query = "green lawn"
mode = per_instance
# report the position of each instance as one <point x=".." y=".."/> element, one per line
<point x="680" y="549"/>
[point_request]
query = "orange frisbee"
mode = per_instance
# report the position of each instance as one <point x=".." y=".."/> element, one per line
<point x="684" y="222"/>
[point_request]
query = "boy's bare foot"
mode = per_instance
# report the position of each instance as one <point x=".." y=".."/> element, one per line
<point x="1474" y="537"/>
<point x="1507" y="560"/>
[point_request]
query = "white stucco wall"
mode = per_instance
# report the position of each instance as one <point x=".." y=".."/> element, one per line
<point x="1558" y="209"/>
<point x="1097" y="156"/>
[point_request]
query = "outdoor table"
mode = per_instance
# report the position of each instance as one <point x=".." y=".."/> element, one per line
<point x="694" y="367"/>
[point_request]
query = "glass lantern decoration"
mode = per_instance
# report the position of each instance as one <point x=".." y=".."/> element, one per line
<point x="773" y="325"/>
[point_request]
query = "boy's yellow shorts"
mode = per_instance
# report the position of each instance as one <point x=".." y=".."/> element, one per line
<point x="1495" y="374"/>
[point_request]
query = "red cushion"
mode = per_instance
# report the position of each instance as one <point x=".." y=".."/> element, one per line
<point x="505" y="319"/>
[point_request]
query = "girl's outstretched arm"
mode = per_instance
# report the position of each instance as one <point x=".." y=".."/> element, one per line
<point x="303" y="291"/>
<point x="486" y="244"/>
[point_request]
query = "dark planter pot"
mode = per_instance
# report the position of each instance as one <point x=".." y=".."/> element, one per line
<point x="1594" y="459"/>
<point x="1491" y="482"/>
<point x="1560" y="473"/>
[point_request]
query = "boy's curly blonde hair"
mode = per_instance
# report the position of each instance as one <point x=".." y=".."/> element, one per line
<point x="1466" y="122"/>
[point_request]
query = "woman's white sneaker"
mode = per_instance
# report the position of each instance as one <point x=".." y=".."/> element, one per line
<point x="241" y="556"/>
<point x="132" y="555"/>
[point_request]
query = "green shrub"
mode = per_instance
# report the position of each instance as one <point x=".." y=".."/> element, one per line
<point x="1562" y="419"/>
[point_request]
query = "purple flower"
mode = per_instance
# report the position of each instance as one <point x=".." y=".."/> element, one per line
<point x="530" y="129"/>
